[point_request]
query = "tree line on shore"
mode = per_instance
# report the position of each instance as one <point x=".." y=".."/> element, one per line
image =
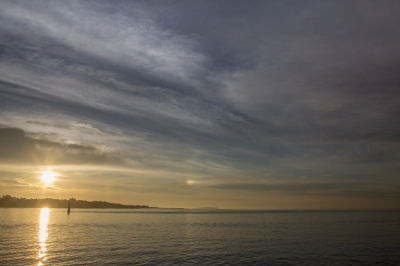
<point x="7" y="201"/>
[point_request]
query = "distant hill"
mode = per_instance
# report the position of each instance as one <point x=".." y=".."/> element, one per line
<point x="8" y="201"/>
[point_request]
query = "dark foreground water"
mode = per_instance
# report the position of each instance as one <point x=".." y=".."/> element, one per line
<point x="198" y="237"/>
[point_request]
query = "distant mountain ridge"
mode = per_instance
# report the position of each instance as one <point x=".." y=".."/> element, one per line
<point x="7" y="201"/>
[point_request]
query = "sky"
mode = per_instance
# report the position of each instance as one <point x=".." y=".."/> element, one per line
<point x="228" y="104"/>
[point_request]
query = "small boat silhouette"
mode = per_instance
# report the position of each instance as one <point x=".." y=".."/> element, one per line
<point x="69" y="209"/>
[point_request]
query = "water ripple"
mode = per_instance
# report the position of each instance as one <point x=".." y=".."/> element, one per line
<point x="180" y="237"/>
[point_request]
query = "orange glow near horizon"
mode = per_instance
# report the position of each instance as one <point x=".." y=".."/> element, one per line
<point x="191" y="182"/>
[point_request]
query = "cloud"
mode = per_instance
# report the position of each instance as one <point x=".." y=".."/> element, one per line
<point x="292" y="72"/>
<point x="18" y="148"/>
<point x="349" y="188"/>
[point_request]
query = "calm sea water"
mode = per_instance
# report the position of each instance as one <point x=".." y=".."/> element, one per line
<point x="198" y="237"/>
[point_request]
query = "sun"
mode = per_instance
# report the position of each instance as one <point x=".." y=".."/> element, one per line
<point x="48" y="176"/>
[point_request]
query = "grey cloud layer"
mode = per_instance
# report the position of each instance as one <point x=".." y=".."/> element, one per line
<point x="17" y="148"/>
<point x="300" y="87"/>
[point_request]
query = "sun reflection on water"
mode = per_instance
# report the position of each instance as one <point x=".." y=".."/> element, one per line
<point x="44" y="218"/>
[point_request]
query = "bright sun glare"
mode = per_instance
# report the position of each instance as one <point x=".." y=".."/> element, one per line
<point x="48" y="176"/>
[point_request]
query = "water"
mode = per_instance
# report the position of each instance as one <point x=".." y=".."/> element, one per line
<point x="198" y="237"/>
